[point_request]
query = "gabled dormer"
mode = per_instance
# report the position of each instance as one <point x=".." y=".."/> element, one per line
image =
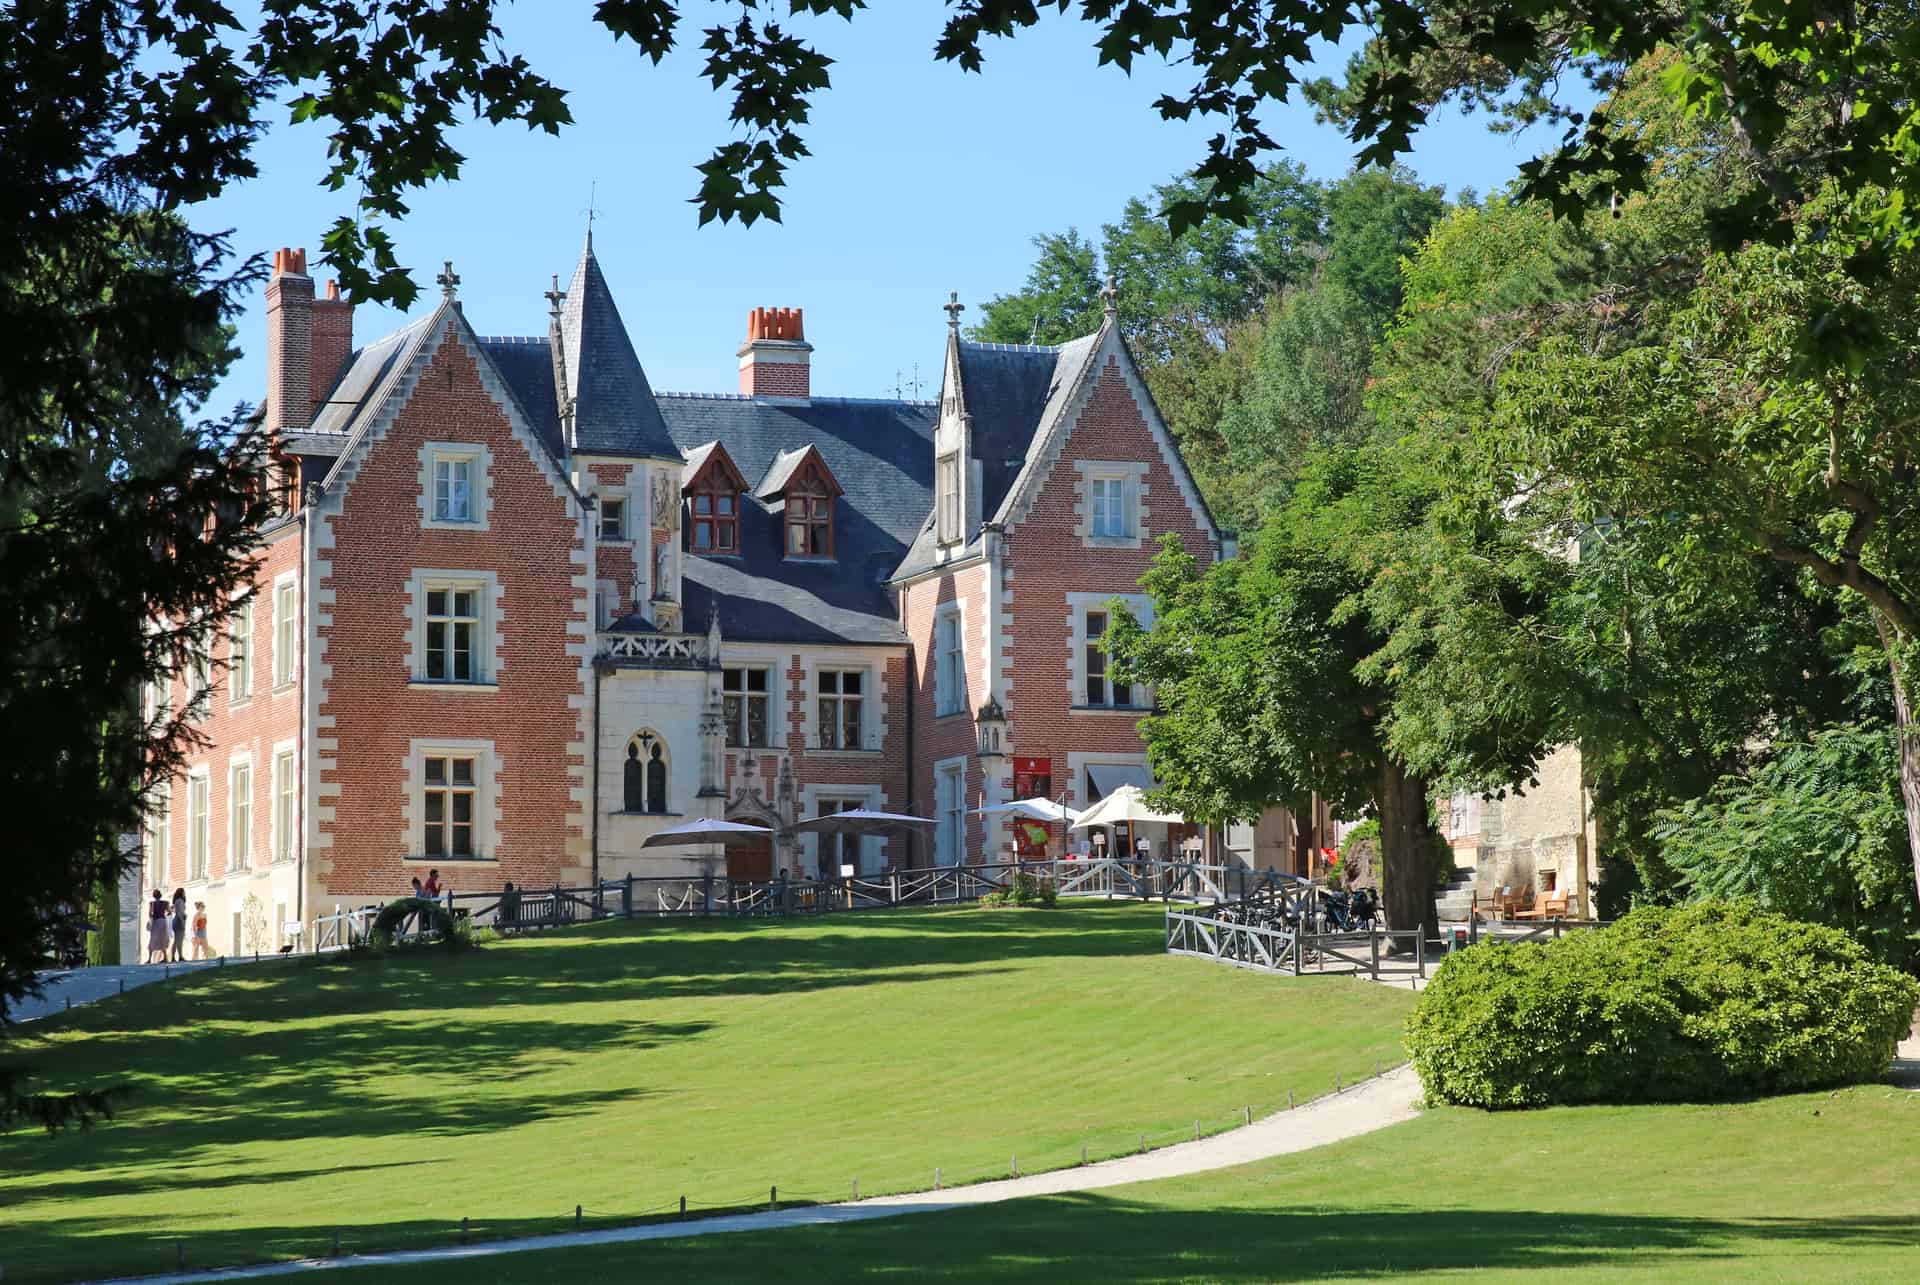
<point x="952" y="449"/>
<point x="714" y="489"/>
<point x="802" y="491"/>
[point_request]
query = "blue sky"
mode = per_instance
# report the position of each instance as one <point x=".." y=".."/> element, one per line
<point x="924" y="179"/>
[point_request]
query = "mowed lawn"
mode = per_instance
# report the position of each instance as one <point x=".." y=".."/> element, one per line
<point x="1816" y="1187"/>
<point x="620" y="1066"/>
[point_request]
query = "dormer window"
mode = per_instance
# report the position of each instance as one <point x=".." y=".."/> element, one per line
<point x="948" y="479"/>
<point x="809" y="524"/>
<point x="716" y="521"/>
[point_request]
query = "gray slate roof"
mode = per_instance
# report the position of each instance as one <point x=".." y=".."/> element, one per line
<point x="353" y="398"/>
<point x="613" y="405"/>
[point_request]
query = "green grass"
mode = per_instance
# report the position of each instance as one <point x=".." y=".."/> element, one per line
<point x="623" y="1065"/>
<point x="1813" y="1187"/>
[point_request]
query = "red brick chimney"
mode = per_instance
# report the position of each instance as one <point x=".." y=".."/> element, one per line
<point x="774" y="360"/>
<point x="332" y="341"/>
<point x="290" y="374"/>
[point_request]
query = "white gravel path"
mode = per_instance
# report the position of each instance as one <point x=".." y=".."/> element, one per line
<point x="72" y="988"/>
<point x="1373" y="1104"/>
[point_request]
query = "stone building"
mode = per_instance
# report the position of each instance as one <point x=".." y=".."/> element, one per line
<point x="518" y="611"/>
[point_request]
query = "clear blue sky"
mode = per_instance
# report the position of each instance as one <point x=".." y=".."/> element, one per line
<point x="923" y="180"/>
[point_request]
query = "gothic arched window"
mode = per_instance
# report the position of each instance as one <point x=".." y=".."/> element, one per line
<point x="645" y="780"/>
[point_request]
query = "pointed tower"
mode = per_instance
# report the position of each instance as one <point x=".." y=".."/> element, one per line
<point x="602" y="383"/>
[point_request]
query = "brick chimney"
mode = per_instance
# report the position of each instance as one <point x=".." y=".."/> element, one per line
<point x="290" y="373"/>
<point x="332" y="341"/>
<point x="774" y="360"/>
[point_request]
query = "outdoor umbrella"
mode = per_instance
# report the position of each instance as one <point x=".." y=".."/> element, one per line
<point x="705" y="831"/>
<point x="1032" y="809"/>
<point x="862" y="821"/>
<point x="1127" y="803"/>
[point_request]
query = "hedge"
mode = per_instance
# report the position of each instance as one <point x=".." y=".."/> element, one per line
<point x="1703" y="1003"/>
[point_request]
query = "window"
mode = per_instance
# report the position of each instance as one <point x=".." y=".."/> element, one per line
<point x="199" y="678"/>
<point x="947" y="512"/>
<point x="716" y="522"/>
<point x="809" y="524"/>
<point x="453" y="488"/>
<point x="159" y="822"/>
<point x="160" y="701"/>
<point x="838" y="850"/>
<point x="613" y="518"/>
<point x="743" y="695"/>
<point x="842" y="693"/>
<point x="949" y="795"/>
<point x="197" y="826"/>
<point x="240" y="655"/>
<point x="1099" y="690"/>
<point x="448" y="800"/>
<point x="283" y="639"/>
<point x="453" y="630"/>
<point x="644" y="788"/>
<point x="239" y="817"/>
<point x="1111" y="520"/>
<point x="949" y="675"/>
<point x="283" y="797"/>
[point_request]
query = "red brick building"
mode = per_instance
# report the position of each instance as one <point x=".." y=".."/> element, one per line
<point x="519" y="611"/>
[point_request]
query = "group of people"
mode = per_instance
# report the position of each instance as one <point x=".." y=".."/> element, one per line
<point x="167" y="928"/>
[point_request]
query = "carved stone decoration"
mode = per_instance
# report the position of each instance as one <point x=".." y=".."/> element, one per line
<point x="664" y="589"/>
<point x="666" y="503"/>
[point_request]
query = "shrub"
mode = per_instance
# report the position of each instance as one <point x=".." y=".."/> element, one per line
<point x="1699" y="1003"/>
<point x="1027" y="890"/>
<point x="455" y="934"/>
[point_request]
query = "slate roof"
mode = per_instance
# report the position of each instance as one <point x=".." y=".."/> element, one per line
<point x="1014" y="394"/>
<point x="359" y="392"/>
<point x="881" y="453"/>
<point x="613" y="405"/>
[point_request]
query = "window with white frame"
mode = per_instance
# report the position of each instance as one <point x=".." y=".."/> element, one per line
<point x="949" y="674"/>
<point x="199" y="677"/>
<point x="160" y="701"/>
<point x="239" y="817"/>
<point x="613" y="517"/>
<point x="1112" y="516"/>
<point x="838" y="852"/>
<point x="947" y="512"/>
<point x="449" y="798"/>
<point x="453" y="633"/>
<point x="197" y="821"/>
<point x="284" y="784"/>
<point x="453" y="486"/>
<point x="842" y="702"/>
<point x="284" y="643"/>
<point x="159" y="823"/>
<point x="743" y="696"/>
<point x="1101" y="691"/>
<point x="240" y="655"/>
<point x="949" y="802"/>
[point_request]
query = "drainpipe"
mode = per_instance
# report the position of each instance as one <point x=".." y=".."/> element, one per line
<point x="600" y="666"/>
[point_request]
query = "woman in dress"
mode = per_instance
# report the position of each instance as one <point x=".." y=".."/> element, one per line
<point x="200" y="950"/>
<point x="157" y="929"/>
<point x="179" y="925"/>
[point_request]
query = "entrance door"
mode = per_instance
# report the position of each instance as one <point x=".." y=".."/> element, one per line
<point x="751" y="861"/>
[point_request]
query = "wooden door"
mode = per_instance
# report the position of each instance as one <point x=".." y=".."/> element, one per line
<point x="751" y="861"/>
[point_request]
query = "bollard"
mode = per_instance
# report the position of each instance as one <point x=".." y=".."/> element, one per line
<point x="1336" y="1083"/>
<point x="773" y="1200"/>
<point x="1083" y="1153"/>
<point x="1143" y="1144"/>
<point x="1289" y="1099"/>
<point x="576" y="1218"/>
<point x="463" y="1229"/>
<point x="683" y="1207"/>
<point x="856" y="1189"/>
<point x="1376" y="1068"/>
<point x="336" y="1242"/>
<point x="167" y="976"/>
<point x="936" y="1177"/>
<point x="1249" y="1113"/>
<point x="123" y="986"/>
<point x="1015" y="1166"/>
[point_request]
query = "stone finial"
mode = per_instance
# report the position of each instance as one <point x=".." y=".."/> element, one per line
<point x="448" y="281"/>
<point x="555" y="296"/>
<point x="1111" y="295"/>
<point x="953" y="308"/>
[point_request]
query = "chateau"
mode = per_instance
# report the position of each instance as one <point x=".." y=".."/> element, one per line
<point x="517" y="610"/>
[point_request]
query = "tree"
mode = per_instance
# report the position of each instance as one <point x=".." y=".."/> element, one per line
<point x="1060" y="300"/>
<point x="1374" y="218"/>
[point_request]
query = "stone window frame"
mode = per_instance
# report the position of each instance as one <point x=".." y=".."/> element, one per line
<point x="285" y="785"/>
<point x="286" y="630"/>
<point x="431" y="453"/>
<point x="950" y="768"/>
<point x="1132" y="474"/>
<point x="238" y="760"/>
<point x="1078" y="605"/>
<point x="240" y="651"/>
<point x="492" y="605"/>
<point x="950" y="690"/>
<point x="488" y="769"/>
<point x="199" y="827"/>
<point x="868" y="796"/>
<point x="602" y="499"/>
<point x="873" y="696"/>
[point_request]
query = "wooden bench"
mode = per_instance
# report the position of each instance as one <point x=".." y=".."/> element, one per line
<point x="1505" y="904"/>
<point x="534" y="910"/>
<point x="1553" y="907"/>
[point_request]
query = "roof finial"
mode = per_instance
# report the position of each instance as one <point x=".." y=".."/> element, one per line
<point x="555" y="297"/>
<point x="448" y="281"/>
<point x="1111" y="295"/>
<point x="593" y="190"/>
<point x="953" y="308"/>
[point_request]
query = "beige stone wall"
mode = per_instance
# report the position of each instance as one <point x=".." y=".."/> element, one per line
<point x="1544" y="837"/>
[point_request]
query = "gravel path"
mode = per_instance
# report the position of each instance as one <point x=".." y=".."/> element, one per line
<point x="85" y="985"/>
<point x="1373" y="1104"/>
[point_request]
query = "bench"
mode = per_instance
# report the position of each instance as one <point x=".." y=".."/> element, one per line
<point x="1506" y="903"/>
<point x="1554" y="907"/>
<point x="529" y="910"/>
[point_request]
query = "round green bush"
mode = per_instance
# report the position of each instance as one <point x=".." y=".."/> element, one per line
<point x="394" y="913"/>
<point x="1701" y="1003"/>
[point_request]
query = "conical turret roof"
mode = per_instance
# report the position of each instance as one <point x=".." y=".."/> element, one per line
<point x="614" y="412"/>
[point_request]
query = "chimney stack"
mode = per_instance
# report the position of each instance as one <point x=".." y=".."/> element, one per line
<point x="290" y="374"/>
<point x="332" y="342"/>
<point x="775" y="359"/>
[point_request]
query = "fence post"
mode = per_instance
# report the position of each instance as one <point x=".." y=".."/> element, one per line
<point x="893" y="888"/>
<point x="1375" y="938"/>
<point x="683" y="1207"/>
<point x="706" y="896"/>
<point x="1420" y="954"/>
<point x="1299" y="931"/>
<point x="773" y="1200"/>
<point x="626" y="898"/>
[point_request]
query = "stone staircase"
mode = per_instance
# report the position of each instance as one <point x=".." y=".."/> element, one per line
<point x="1456" y="899"/>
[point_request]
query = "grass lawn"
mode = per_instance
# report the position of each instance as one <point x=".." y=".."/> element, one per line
<point x="620" y="1066"/>
<point x="1814" y="1187"/>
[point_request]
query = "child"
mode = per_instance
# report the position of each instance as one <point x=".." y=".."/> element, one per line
<point x="200" y="950"/>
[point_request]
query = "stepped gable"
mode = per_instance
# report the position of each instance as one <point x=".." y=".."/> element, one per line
<point x="614" y="412"/>
<point x="879" y="451"/>
<point x="1014" y="395"/>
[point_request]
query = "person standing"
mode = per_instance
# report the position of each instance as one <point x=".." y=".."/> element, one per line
<point x="157" y="929"/>
<point x="179" y="925"/>
<point x="200" y="948"/>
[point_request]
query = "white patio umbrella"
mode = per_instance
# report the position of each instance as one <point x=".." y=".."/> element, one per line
<point x="1128" y="803"/>
<point x="706" y="831"/>
<point x="862" y="821"/>
<point x="1033" y="809"/>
